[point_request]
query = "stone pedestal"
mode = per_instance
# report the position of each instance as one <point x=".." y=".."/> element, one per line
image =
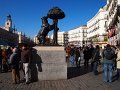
<point x="53" y="62"/>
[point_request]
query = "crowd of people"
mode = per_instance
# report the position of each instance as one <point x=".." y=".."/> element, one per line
<point x="93" y="56"/>
<point x="15" y="59"/>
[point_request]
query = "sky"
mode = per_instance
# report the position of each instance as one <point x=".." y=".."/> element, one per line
<point x="26" y="14"/>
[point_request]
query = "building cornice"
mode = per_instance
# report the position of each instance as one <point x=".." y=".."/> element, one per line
<point x="96" y="15"/>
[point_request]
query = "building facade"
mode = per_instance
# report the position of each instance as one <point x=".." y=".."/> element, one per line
<point x="8" y="24"/>
<point x="10" y="37"/>
<point x="7" y="33"/>
<point x="96" y="33"/>
<point x="113" y="21"/>
<point x="36" y="41"/>
<point x="7" y="38"/>
<point x="65" y="39"/>
<point x="60" y="38"/>
<point x="78" y="36"/>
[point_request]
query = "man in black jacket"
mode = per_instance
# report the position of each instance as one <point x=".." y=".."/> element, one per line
<point x="26" y="58"/>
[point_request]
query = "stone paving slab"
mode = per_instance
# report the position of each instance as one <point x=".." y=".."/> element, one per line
<point x="79" y="79"/>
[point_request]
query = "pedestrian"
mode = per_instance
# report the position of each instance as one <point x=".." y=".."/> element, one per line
<point x="21" y="64"/>
<point x="9" y="52"/>
<point x="72" y="55"/>
<point x="108" y="60"/>
<point x="78" y="57"/>
<point x="14" y="62"/>
<point x="4" y="60"/>
<point x="67" y="53"/>
<point x="118" y="62"/>
<point x="95" y="59"/>
<point x="91" y="49"/>
<point x="86" y="53"/>
<point x="116" y="51"/>
<point x="26" y="58"/>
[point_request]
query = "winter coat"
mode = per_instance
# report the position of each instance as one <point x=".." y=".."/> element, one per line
<point x="96" y="55"/>
<point x="4" y="57"/>
<point x="112" y="61"/>
<point x="86" y="53"/>
<point x="14" y="61"/>
<point x="25" y="56"/>
<point x="118" y="60"/>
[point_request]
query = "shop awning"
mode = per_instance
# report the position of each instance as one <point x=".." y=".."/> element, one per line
<point x="8" y="43"/>
<point x="12" y="44"/>
<point x="3" y="42"/>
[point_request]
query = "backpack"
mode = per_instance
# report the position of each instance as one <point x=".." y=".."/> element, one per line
<point x="109" y="54"/>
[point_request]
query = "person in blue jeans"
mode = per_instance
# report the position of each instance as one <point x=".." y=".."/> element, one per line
<point x="108" y="60"/>
<point x="108" y="72"/>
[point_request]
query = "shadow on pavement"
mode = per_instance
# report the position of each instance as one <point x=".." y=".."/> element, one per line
<point x="35" y="65"/>
<point x="77" y="71"/>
